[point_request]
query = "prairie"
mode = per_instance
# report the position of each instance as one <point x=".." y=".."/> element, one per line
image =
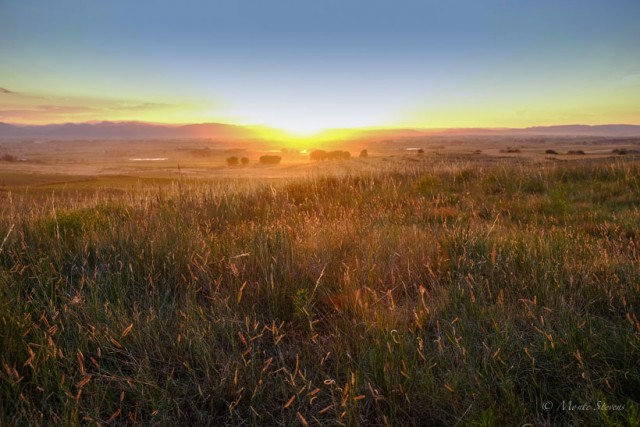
<point x="450" y="288"/>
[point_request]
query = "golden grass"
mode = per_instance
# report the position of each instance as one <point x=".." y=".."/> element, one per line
<point x="433" y="292"/>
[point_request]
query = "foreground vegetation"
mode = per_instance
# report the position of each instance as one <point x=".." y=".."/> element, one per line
<point x="428" y="294"/>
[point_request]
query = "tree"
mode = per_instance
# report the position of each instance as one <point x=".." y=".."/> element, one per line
<point x="245" y="161"/>
<point x="232" y="161"/>
<point x="270" y="160"/>
<point x="318" y="155"/>
<point x="364" y="153"/>
<point x="338" y="155"/>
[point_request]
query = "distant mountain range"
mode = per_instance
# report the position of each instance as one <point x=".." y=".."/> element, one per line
<point x="563" y="130"/>
<point x="128" y="130"/>
<point x="140" y="130"/>
<point x="601" y="130"/>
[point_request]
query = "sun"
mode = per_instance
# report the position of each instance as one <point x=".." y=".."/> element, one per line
<point x="299" y="128"/>
<point x="307" y="125"/>
<point x="303" y="132"/>
<point x="304" y="123"/>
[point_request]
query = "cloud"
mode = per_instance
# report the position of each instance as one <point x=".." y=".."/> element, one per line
<point x="32" y="108"/>
<point x="65" y="109"/>
<point x="45" y="111"/>
<point x="137" y="106"/>
<point x="15" y="114"/>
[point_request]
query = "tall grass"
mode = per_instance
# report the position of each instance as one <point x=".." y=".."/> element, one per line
<point x="424" y="294"/>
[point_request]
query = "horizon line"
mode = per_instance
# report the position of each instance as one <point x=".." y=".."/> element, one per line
<point x="259" y="125"/>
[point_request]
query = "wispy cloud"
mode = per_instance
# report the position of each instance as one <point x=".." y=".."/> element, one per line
<point x="65" y="109"/>
<point x="12" y="115"/>
<point x="134" y="106"/>
<point x="33" y="108"/>
<point x="52" y="112"/>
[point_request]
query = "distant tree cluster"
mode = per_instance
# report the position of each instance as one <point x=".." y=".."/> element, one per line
<point x="234" y="161"/>
<point x="364" y="154"/>
<point x="511" y="150"/>
<point x="624" y="151"/>
<point x="321" y="155"/>
<point x="9" y="158"/>
<point x="270" y="160"/>
<point x="244" y="161"/>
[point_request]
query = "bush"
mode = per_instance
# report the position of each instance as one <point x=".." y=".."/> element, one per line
<point x="270" y="160"/>
<point x="9" y="158"/>
<point x="551" y="152"/>
<point x="364" y="154"/>
<point x="232" y="161"/>
<point x="576" y="152"/>
<point x="244" y="161"/>
<point x="421" y="151"/>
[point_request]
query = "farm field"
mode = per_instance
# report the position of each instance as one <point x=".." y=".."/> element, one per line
<point x="483" y="282"/>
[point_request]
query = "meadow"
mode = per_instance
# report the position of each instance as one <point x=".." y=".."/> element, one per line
<point x="445" y="291"/>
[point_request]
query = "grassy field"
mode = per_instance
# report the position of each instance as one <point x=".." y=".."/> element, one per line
<point x="438" y="292"/>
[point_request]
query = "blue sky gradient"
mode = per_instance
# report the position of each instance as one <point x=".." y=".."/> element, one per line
<point x="308" y="65"/>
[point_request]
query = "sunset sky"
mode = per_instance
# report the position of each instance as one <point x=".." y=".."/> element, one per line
<point x="304" y="66"/>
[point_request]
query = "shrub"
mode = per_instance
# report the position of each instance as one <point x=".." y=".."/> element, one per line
<point x="576" y="152"/>
<point x="244" y="161"/>
<point x="511" y="150"/>
<point x="551" y="152"/>
<point x="421" y="151"/>
<point x="9" y="158"/>
<point x="270" y="160"/>
<point x="232" y="161"/>
<point x="364" y="154"/>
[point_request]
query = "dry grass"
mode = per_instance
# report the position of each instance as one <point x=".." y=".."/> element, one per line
<point x="428" y="293"/>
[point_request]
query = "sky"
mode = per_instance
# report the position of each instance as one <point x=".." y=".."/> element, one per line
<point x="308" y="65"/>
